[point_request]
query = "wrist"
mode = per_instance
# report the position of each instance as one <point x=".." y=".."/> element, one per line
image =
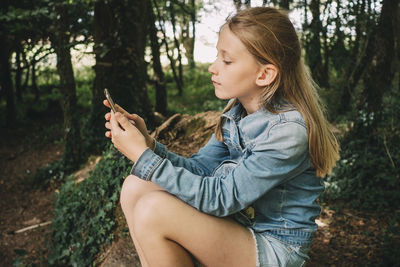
<point x="151" y="143"/>
<point x="138" y="152"/>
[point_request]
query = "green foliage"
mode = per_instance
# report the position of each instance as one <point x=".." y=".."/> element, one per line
<point x="332" y="97"/>
<point x="49" y="102"/>
<point x="84" y="77"/>
<point x="22" y="259"/>
<point x="22" y="17"/>
<point x="198" y="92"/>
<point x="49" y="105"/>
<point x="84" y="213"/>
<point x="368" y="173"/>
<point x="52" y="172"/>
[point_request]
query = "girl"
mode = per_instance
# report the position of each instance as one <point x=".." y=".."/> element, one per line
<point x="249" y="196"/>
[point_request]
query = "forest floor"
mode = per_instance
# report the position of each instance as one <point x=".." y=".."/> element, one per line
<point x="346" y="236"/>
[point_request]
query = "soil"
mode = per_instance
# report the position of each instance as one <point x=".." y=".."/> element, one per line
<point x="346" y="236"/>
<point x="22" y="151"/>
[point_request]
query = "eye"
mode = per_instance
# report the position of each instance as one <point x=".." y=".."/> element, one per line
<point x="227" y="62"/>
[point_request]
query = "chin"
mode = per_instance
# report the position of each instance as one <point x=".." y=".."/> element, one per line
<point x="220" y="95"/>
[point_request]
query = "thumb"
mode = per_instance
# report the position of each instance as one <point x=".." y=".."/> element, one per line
<point x="132" y="117"/>
<point x="138" y="120"/>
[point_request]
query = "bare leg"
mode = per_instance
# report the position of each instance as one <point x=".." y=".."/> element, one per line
<point x="168" y="228"/>
<point x="132" y="190"/>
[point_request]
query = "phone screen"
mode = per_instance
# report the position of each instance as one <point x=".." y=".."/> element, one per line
<point x="108" y="96"/>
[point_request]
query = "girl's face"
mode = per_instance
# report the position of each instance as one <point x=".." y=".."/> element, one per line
<point x="235" y="71"/>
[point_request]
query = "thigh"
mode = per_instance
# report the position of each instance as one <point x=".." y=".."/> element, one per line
<point x="214" y="241"/>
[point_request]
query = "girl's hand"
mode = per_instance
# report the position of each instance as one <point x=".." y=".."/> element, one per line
<point x="135" y="119"/>
<point x="126" y="137"/>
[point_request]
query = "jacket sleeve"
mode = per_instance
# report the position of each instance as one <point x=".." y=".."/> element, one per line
<point x="203" y="162"/>
<point x="282" y="156"/>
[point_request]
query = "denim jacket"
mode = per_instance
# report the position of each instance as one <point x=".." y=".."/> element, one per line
<point x="261" y="174"/>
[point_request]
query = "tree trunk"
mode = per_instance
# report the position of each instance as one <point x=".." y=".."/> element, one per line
<point x="129" y="73"/>
<point x="356" y="72"/>
<point x="103" y="25"/>
<point x="313" y="46"/>
<point x="355" y="67"/>
<point x="161" y="92"/>
<point x="18" y="74"/>
<point x="247" y="3"/>
<point x="379" y="74"/>
<point x="6" y="81"/>
<point x="120" y="38"/>
<point x="60" y="41"/>
<point x="238" y="4"/>
<point x="192" y="63"/>
<point x="284" y="4"/>
<point x="34" y="86"/>
<point x="177" y="47"/>
<point x="188" y="33"/>
<point x="27" y="66"/>
<point x="167" y="51"/>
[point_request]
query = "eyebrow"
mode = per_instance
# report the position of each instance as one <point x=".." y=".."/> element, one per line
<point x="224" y="52"/>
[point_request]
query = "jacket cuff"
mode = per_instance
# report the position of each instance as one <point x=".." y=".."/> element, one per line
<point x="146" y="165"/>
<point x="160" y="149"/>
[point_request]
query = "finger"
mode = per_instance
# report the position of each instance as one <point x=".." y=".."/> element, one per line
<point x="107" y="116"/>
<point x="117" y="107"/>
<point x="139" y="122"/>
<point x="114" y="123"/>
<point x="105" y="103"/>
<point x="108" y="134"/>
<point x="135" y="118"/>
<point x="108" y="125"/>
<point x="132" y="117"/>
<point x="123" y="121"/>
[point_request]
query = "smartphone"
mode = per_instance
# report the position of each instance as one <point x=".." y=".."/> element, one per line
<point x="108" y="96"/>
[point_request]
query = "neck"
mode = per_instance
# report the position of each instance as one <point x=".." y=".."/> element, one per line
<point x="251" y="105"/>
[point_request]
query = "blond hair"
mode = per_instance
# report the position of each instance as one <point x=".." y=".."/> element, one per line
<point x="270" y="37"/>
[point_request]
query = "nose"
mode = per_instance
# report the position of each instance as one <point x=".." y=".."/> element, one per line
<point x="212" y="69"/>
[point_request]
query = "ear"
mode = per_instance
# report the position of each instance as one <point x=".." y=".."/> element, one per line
<point x="266" y="75"/>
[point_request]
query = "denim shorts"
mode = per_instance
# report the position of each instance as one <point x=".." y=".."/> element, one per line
<point x="273" y="252"/>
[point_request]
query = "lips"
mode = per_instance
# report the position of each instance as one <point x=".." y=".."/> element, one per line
<point x="215" y="82"/>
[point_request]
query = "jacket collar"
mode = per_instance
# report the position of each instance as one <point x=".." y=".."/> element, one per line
<point x="237" y="112"/>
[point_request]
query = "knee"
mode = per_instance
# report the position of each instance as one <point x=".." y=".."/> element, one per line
<point x="149" y="210"/>
<point x="130" y="192"/>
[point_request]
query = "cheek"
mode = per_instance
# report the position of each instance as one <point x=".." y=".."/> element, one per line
<point x="243" y="71"/>
<point x="243" y="79"/>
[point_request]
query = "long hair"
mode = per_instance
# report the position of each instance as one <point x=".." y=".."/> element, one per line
<point x="270" y="37"/>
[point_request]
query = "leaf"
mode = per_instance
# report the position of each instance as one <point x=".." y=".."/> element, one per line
<point x="20" y="252"/>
